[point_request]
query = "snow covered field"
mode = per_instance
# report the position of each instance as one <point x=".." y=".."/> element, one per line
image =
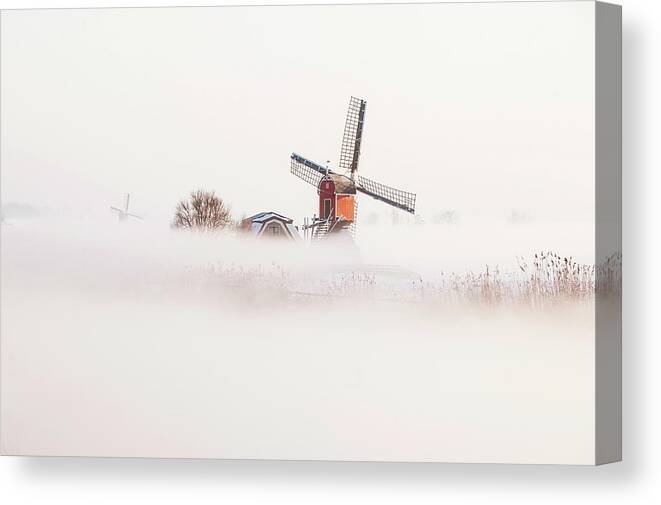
<point x="128" y="340"/>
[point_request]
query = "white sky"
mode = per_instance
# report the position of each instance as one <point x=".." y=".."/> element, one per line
<point x="478" y="108"/>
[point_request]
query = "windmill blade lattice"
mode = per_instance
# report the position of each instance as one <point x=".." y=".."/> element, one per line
<point x="309" y="171"/>
<point x="396" y="197"/>
<point x="353" y="134"/>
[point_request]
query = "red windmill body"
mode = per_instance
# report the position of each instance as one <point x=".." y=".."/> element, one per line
<point x="337" y="198"/>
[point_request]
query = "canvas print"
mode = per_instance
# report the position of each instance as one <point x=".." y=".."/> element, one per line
<point x="353" y="232"/>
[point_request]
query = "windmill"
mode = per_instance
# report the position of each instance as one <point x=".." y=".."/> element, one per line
<point x="337" y="191"/>
<point x="123" y="215"/>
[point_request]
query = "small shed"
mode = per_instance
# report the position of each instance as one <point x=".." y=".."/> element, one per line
<point x="270" y="225"/>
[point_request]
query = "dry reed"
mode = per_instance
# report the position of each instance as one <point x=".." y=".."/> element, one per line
<point x="545" y="279"/>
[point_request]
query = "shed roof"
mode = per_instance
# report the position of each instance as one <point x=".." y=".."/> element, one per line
<point x="267" y="216"/>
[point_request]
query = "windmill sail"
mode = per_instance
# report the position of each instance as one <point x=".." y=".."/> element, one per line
<point x="309" y="171"/>
<point x="353" y="134"/>
<point x="124" y="214"/>
<point x="395" y="197"/>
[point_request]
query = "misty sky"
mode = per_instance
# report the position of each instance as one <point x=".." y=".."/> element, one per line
<point x="478" y="108"/>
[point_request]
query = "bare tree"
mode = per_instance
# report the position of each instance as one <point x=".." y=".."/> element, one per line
<point x="202" y="210"/>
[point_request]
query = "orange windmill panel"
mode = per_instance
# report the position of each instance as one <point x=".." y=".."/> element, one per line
<point x="345" y="207"/>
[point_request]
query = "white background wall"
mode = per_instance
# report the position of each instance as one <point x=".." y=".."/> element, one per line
<point x="81" y="480"/>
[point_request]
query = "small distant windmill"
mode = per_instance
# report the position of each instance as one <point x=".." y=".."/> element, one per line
<point x="337" y="192"/>
<point x="123" y="215"/>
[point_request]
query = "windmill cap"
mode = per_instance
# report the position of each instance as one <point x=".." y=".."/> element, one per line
<point x="343" y="184"/>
